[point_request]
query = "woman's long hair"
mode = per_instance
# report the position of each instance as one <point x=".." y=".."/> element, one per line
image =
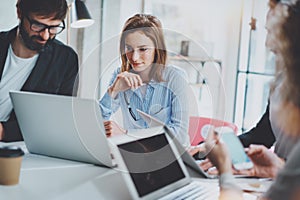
<point x="287" y="79"/>
<point x="152" y="28"/>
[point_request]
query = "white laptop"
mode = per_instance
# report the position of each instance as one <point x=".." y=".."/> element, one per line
<point x="62" y="126"/>
<point x="187" y="158"/>
<point x="152" y="167"/>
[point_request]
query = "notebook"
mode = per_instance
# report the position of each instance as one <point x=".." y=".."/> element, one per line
<point x="152" y="167"/>
<point x="62" y="126"/>
<point x="187" y="158"/>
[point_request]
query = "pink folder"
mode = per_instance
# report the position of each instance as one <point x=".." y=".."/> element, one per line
<point x="199" y="126"/>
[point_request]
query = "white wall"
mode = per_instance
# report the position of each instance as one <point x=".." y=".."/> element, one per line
<point x="8" y="15"/>
<point x="86" y="42"/>
<point x="89" y="43"/>
<point x="213" y="25"/>
<point x="115" y="13"/>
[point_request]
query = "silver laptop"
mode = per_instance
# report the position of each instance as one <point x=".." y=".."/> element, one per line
<point x="62" y="126"/>
<point x="187" y="158"/>
<point x="152" y="167"/>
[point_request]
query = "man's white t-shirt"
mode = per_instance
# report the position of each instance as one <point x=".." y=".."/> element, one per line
<point x="15" y="73"/>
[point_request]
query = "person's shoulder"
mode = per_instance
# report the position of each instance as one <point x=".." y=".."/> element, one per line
<point x="115" y="72"/>
<point x="174" y="71"/>
<point x="6" y="32"/>
<point x="6" y="35"/>
<point x="118" y="70"/>
<point x="170" y="68"/>
<point x="58" y="45"/>
<point x="3" y="34"/>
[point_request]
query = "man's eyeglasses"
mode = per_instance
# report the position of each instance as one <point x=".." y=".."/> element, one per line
<point x="129" y="108"/>
<point x="39" y="27"/>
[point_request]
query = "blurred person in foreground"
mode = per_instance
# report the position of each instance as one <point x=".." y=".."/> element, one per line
<point x="267" y="132"/>
<point x="284" y="21"/>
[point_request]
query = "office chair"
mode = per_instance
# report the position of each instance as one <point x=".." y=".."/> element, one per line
<point x="199" y="127"/>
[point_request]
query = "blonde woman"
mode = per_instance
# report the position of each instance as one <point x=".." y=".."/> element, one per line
<point x="146" y="82"/>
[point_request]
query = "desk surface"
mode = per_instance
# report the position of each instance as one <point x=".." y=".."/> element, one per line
<point x="57" y="179"/>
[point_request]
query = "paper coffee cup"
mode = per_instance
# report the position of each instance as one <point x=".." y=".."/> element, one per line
<point x="10" y="165"/>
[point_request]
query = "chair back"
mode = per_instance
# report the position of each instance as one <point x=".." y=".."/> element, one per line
<point x="199" y="127"/>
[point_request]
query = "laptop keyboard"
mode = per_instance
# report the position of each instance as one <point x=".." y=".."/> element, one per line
<point x="194" y="190"/>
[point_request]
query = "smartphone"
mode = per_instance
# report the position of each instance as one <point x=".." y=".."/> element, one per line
<point x="240" y="159"/>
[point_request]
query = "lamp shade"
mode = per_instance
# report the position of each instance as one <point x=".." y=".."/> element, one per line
<point x="80" y="16"/>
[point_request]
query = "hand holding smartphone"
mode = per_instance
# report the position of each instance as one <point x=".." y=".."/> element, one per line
<point x="240" y="159"/>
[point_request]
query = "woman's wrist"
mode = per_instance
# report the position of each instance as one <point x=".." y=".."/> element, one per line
<point x="111" y="91"/>
<point x="229" y="189"/>
<point x="227" y="181"/>
<point x="226" y="167"/>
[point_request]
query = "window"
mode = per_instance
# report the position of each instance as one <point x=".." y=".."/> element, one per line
<point x="255" y="68"/>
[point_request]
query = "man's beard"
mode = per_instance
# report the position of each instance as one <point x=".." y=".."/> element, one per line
<point x="29" y="41"/>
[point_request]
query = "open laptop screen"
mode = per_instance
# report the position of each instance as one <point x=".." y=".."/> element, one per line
<point x="151" y="163"/>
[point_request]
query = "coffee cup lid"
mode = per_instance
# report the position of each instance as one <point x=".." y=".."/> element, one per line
<point x="11" y="151"/>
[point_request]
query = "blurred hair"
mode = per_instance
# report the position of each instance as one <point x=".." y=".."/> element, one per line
<point x="56" y="9"/>
<point x="287" y="30"/>
<point x="152" y="28"/>
<point x="288" y="53"/>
